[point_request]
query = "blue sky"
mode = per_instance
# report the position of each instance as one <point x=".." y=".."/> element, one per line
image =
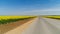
<point x="29" y="7"/>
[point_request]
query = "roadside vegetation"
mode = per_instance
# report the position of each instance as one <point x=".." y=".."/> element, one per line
<point x="53" y="17"/>
<point x="9" y="19"/>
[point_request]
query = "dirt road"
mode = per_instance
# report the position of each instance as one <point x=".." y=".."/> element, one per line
<point x="6" y="27"/>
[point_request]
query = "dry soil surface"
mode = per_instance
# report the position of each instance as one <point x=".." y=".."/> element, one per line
<point x="6" y="27"/>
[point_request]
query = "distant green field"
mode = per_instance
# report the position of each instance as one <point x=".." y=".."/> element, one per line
<point x="53" y="17"/>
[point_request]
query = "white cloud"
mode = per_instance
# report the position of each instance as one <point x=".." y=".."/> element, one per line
<point x="52" y="11"/>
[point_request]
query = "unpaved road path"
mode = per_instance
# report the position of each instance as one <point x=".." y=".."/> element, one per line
<point x="7" y="27"/>
<point x="43" y="26"/>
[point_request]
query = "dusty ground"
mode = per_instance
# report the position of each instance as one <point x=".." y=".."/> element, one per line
<point x="6" y="27"/>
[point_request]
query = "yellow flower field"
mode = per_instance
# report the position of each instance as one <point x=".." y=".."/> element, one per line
<point x="53" y="16"/>
<point x="8" y="19"/>
<point x="13" y="17"/>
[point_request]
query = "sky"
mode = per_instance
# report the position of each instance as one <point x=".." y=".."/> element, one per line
<point x="29" y="7"/>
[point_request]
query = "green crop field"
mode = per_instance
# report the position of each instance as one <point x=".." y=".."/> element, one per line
<point x="53" y="16"/>
<point x="9" y="19"/>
